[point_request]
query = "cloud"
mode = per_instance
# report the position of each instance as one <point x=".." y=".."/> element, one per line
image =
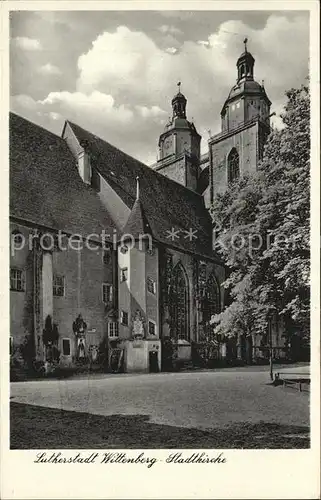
<point x="165" y="28"/>
<point x="171" y="50"/>
<point x="206" y="43"/>
<point x="131" y="128"/>
<point x="55" y="116"/>
<point x="25" y="43"/>
<point x="24" y="102"/>
<point x="77" y="103"/>
<point x="126" y="80"/>
<point x="129" y="63"/>
<point x="49" y="69"/>
<point x="153" y="112"/>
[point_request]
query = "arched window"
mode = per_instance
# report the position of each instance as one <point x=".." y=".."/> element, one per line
<point x="178" y="303"/>
<point x="211" y="300"/>
<point x="233" y="166"/>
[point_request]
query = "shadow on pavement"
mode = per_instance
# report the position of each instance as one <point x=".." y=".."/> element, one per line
<point x="37" y="427"/>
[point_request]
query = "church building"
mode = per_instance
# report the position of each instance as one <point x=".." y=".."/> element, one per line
<point x="112" y="258"/>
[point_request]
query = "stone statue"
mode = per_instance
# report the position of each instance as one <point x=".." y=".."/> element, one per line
<point x="138" y="326"/>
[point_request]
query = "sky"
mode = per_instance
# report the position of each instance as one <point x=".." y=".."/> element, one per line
<point x="115" y="72"/>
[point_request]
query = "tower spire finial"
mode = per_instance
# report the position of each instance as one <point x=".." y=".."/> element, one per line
<point x="137" y="188"/>
<point x="179" y="103"/>
<point x="245" y="44"/>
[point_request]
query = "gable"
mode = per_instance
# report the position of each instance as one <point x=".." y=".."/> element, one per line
<point x="166" y="203"/>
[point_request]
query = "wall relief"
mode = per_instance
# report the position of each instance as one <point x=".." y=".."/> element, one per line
<point x="138" y="326"/>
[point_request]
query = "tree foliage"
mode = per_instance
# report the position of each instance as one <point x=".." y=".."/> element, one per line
<point x="263" y="232"/>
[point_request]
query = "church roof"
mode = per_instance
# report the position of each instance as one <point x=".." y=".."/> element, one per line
<point x="179" y="96"/>
<point x="246" y="87"/>
<point x="167" y="204"/>
<point x="137" y="223"/>
<point x="245" y="55"/>
<point x="179" y="123"/>
<point x="45" y="187"/>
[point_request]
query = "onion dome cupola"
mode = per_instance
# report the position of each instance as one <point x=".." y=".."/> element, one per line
<point x="180" y="135"/>
<point x="179" y="104"/>
<point x="179" y="145"/>
<point x="247" y="100"/>
<point x="245" y="64"/>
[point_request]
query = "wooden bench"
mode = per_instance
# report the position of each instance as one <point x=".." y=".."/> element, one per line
<point x="299" y="379"/>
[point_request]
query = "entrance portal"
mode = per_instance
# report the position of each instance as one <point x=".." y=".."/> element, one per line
<point x="153" y="362"/>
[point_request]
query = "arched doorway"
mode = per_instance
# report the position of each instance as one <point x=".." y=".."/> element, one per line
<point x="178" y="303"/>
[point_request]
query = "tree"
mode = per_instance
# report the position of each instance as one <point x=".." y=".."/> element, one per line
<point x="263" y="232"/>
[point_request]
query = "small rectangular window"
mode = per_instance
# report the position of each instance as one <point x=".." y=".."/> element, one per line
<point x="124" y="274"/>
<point x="124" y="318"/>
<point x="151" y="286"/>
<point x="106" y="257"/>
<point x="113" y="329"/>
<point x="66" y="347"/>
<point x="16" y="280"/>
<point x="151" y="327"/>
<point x="107" y="291"/>
<point x="58" y="286"/>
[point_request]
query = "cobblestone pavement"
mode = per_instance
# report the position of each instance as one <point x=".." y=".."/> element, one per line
<point x="203" y="400"/>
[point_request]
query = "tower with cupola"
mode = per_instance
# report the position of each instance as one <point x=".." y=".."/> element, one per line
<point x="179" y="146"/>
<point x="245" y="125"/>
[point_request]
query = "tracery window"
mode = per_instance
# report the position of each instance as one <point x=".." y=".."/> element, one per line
<point x="179" y="303"/>
<point x="211" y="302"/>
<point x="233" y="166"/>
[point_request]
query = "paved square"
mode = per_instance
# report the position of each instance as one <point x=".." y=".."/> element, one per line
<point x="201" y="401"/>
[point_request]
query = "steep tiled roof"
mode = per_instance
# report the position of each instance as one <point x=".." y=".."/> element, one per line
<point x="203" y="180"/>
<point x="166" y="203"/>
<point x="137" y="223"/>
<point x="45" y="187"/>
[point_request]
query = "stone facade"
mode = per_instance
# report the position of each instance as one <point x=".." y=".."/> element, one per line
<point x="141" y="299"/>
<point x="60" y="284"/>
<point x="248" y="140"/>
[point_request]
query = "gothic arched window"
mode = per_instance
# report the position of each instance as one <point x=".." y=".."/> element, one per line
<point x="178" y="303"/>
<point x="211" y="303"/>
<point x="233" y="166"/>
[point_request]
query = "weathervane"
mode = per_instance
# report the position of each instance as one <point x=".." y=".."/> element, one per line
<point x="179" y="86"/>
<point x="245" y="43"/>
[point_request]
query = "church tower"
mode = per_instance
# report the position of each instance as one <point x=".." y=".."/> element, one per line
<point x="245" y="125"/>
<point x="179" y="146"/>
